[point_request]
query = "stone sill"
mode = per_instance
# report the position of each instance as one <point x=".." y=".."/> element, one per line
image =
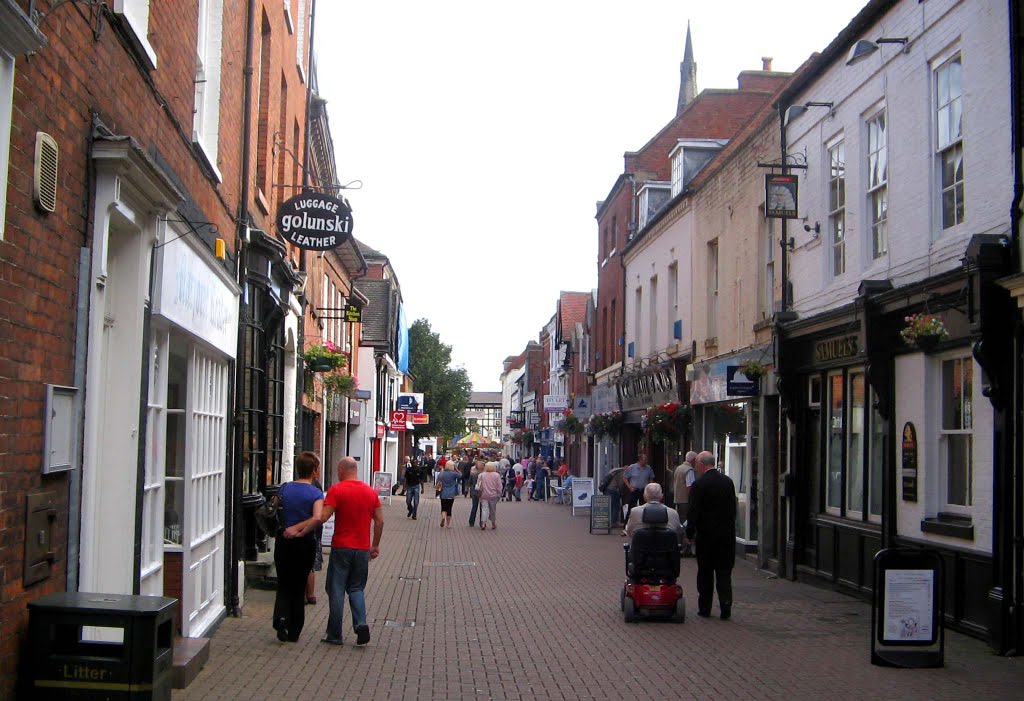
<point x="951" y="525"/>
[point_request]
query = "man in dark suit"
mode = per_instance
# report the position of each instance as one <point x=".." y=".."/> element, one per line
<point x="712" y="519"/>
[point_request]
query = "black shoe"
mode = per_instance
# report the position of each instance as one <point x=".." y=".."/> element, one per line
<point x="704" y="614"/>
<point x="281" y="626"/>
<point x="331" y="641"/>
<point x="726" y="613"/>
<point x="362" y="635"/>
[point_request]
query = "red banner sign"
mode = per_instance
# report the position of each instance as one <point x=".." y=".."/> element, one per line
<point x="380" y="430"/>
<point x="420" y="419"/>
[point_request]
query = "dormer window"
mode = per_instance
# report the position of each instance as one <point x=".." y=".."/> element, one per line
<point x="689" y="157"/>
<point x="652" y="197"/>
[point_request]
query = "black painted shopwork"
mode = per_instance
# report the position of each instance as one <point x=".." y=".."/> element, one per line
<point x="847" y="451"/>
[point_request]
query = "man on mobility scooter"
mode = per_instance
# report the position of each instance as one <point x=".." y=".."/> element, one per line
<point x="652" y="561"/>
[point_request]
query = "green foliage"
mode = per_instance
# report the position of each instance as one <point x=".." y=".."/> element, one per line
<point x="445" y="389"/>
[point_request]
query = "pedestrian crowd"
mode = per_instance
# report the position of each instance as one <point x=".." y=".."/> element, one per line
<point x="704" y="516"/>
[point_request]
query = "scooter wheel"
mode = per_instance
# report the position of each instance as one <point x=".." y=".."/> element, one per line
<point x="680" y="615"/>
<point x="629" y="611"/>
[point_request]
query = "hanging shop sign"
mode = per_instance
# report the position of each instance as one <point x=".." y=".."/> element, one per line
<point x="411" y="402"/>
<point x="909" y="466"/>
<point x="780" y="196"/>
<point x="315" y="222"/>
<point x="353" y="314"/>
<point x="605" y="398"/>
<point x="647" y="387"/>
<point x="739" y="385"/>
<point x="420" y="419"/>
<point x="398" y="420"/>
<point x="581" y="407"/>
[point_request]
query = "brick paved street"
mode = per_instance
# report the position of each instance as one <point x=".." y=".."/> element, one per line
<point x="564" y="637"/>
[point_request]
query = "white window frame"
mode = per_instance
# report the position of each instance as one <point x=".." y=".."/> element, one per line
<point x="638" y="299"/>
<point x="6" y="117"/>
<point x="678" y="158"/>
<point x="768" y="282"/>
<point x="967" y="410"/>
<point x="673" y="290"/>
<point x="951" y="144"/>
<point x="836" y="204"/>
<point x="300" y="40"/>
<point x="206" y="113"/>
<point x="653" y="306"/>
<point x="713" y="283"/>
<point x="878" y="183"/>
<point x="135" y="14"/>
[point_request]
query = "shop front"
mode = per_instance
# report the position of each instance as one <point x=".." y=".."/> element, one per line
<point x="642" y="386"/>
<point x="193" y="340"/>
<point x="727" y="422"/>
<point x="898" y="439"/>
<point x="605" y="450"/>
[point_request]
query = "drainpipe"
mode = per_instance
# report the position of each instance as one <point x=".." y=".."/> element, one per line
<point x="234" y="484"/>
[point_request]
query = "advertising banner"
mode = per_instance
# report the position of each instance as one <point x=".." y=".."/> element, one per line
<point x="555" y="403"/>
<point x="411" y="402"/>
<point x="398" y="420"/>
<point x="582" y="492"/>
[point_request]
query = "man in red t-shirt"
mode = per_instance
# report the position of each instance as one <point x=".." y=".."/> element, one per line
<point x="355" y="506"/>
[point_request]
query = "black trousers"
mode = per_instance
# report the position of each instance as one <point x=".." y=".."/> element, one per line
<point x="293" y="559"/>
<point x="715" y="560"/>
<point x="635" y="499"/>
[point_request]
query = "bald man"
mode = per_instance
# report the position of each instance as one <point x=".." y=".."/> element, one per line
<point x="712" y="520"/>
<point x="355" y="505"/>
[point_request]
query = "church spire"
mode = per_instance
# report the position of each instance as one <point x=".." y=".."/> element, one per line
<point x="687" y="75"/>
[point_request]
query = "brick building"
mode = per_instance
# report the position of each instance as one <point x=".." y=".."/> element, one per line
<point x="164" y="141"/>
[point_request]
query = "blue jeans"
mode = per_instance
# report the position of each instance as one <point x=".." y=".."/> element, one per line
<point x="412" y="499"/>
<point x="540" y="490"/>
<point x="346" y="573"/>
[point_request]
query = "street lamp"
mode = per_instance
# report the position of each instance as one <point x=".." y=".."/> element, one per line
<point x="864" y="48"/>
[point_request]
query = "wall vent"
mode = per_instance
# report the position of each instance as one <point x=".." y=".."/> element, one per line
<point x="44" y="177"/>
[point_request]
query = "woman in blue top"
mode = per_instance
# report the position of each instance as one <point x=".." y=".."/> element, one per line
<point x="449" y="481"/>
<point x="293" y="557"/>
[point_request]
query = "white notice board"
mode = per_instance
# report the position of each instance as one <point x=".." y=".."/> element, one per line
<point x="909" y="606"/>
<point x="382" y="482"/>
<point x="582" y="491"/>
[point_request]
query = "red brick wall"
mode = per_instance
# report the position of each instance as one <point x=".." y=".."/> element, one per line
<point x="58" y="90"/>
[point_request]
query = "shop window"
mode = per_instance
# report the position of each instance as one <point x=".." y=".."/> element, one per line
<point x="263" y="393"/>
<point x="957" y="435"/>
<point x="855" y="446"/>
<point x="731" y="438"/>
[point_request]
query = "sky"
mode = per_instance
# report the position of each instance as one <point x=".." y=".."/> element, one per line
<point x="485" y="133"/>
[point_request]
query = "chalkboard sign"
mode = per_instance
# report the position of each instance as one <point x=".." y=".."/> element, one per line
<point x="601" y="513"/>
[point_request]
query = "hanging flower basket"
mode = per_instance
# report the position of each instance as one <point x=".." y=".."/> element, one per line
<point x="324" y="357"/>
<point x="340" y="383"/>
<point x="924" y="331"/>
<point x="527" y="439"/>
<point x="570" y="425"/>
<point x="608" y="423"/>
<point x="753" y="370"/>
<point x="666" y="422"/>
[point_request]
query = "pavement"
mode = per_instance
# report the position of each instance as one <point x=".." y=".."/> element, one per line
<point x="531" y="611"/>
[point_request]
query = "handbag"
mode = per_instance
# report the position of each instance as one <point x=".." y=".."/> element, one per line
<point x="270" y="515"/>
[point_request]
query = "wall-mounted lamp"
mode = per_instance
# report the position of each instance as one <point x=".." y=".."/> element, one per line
<point x="794" y="111"/>
<point x="816" y="228"/>
<point x="864" y="48"/>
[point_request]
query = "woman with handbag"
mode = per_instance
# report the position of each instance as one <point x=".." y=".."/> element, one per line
<point x="447" y="489"/>
<point x="301" y="501"/>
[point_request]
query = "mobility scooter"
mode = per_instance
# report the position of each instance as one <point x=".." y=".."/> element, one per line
<point x="652" y="568"/>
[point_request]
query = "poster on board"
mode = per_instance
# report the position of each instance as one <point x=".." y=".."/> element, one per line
<point x="382" y="483"/>
<point x="582" y="492"/>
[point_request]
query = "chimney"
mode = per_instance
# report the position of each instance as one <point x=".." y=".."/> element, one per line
<point x="766" y="63"/>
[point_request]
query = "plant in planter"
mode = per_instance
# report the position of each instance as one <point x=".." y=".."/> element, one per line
<point x="666" y="422"/>
<point x="754" y="370"/>
<point x="608" y="423"/>
<point x="340" y="383"/>
<point x="527" y="439"/>
<point x="324" y="357"/>
<point x="924" y="331"/>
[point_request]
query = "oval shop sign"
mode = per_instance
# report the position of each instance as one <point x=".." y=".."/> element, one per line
<point x="315" y="222"/>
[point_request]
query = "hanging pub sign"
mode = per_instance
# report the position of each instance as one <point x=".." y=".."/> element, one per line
<point x="315" y="222"/>
<point x="909" y="466"/>
<point x="739" y="385"/>
<point x="780" y="196"/>
<point x="353" y="314"/>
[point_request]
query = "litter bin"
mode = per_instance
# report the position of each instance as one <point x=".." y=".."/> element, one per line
<point x="100" y="646"/>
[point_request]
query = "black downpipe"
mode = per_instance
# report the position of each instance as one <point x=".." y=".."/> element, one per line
<point x="234" y="485"/>
<point x="1013" y="551"/>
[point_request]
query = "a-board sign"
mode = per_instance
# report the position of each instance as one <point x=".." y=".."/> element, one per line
<point x="328" y="534"/>
<point x="600" y="513"/>
<point x="382" y="482"/>
<point x="582" y="492"/>
<point x="907" y="610"/>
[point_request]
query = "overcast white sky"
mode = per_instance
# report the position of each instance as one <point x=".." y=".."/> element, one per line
<point x="485" y="133"/>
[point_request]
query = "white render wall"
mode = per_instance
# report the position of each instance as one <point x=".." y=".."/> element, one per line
<point x="904" y="83"/>
<point x="667" y="242"/>
<point x="918" y="387"/>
